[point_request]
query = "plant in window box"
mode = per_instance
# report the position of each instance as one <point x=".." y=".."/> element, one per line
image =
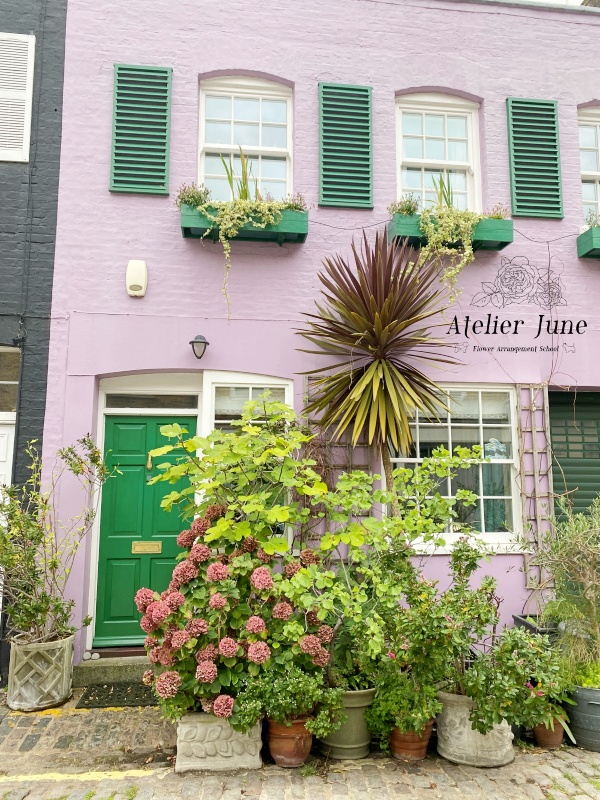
<point x="588" y="242"/>
<point x="247" y="213"/>
<point x="36" y="556"/>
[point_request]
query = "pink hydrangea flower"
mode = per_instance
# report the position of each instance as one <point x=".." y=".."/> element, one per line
<point x="259" y="652"/>
<point x="197" y="627"/>
<point x="215" y="511"/>
<point x="173" y="599"/>
<point x="255" y="625"/>
<point x="282" y="610"/>
<point x="199" y="553"/>
<point x="228" y="647"/>
<point x="148" y="677"/>
<point x="264" y="557"/>
<point x="184" y="572"/>
<point x="166" y="657"/>
<point x="217" y="572"/>
<point x="261" y="579"/>
<point x="167" y="684"/>
<point x="206" y="672"/>
<point x="186" y="539"/>
<point x="169" y="635"/>
<point x="200" y="526"/>
<point x="391" y="655"/>
<point x="179" y="639"/>
<point x="223" y="706"/>
<point x="147" y="625"/>
<point x="150" y="641"/>
<point x="321" y="659"/>
<point x="217" y="601"/>
<point x="154" y="655"/>
<point x="208" y="653"/>
<point x="325" y="634"/>
<point x="158" y="611"/>
<point x="310" y="644"/>
<point x="143" y="598"/>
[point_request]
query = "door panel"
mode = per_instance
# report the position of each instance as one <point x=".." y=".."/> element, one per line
<point x="131" y="517"/>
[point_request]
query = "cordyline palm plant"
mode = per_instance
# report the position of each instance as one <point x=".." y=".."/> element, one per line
<point x="372" y="321"/>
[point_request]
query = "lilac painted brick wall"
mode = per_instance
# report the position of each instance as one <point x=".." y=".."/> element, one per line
<point x="483" y="50"/>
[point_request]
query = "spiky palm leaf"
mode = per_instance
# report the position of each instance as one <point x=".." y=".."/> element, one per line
<point x="372" y="321"/>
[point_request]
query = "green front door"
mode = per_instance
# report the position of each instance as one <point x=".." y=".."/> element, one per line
<point x="137" y="538"/>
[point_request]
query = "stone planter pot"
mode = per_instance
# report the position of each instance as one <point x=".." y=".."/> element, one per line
<point x="458" y="742"/>
<point x="205" y="742"/>
<point x="546" y="737"/>
<point x="410" y="746"/>
<point x="353" y="739"/>
<point x="289" y="744"/>
<point x="40" y="675"/>
<point x="584" y="718"/>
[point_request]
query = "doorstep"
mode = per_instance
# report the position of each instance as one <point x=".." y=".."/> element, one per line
<point x="123" y="669"/>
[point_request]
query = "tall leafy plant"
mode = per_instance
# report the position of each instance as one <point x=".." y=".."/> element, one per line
<point x="372" y="322"/>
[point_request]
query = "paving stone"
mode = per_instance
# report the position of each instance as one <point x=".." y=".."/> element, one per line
<point x="29" y="742"/>
<point x="17" y="794"/>
<point x="533" y="791"/>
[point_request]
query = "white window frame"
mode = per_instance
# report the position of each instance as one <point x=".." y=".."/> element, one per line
<point x="10" y="416"/>
<point x="255" y="88"/>
<point x="437" y="103"/>
<point x="20" y="154"/>
<point x="496" y="541"/>
<point x="587" y="117"/>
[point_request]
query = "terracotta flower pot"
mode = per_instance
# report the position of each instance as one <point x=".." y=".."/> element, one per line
<point x="410" y="746"/>
<point x="289" y="744"/>
<point x="546" y="737"/>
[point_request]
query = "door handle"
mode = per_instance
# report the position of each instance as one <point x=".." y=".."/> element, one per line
<point x="149" y="462"/>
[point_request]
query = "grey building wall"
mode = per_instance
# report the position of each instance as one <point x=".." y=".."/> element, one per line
<point x="28" y="202"/>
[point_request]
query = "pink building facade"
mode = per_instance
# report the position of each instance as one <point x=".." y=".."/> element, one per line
<point x="440" y="74"/>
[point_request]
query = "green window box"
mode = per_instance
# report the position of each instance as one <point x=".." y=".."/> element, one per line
<point x="292" y="227"/>
<point x="588" y="243"/>
<point x="490" y="234"/>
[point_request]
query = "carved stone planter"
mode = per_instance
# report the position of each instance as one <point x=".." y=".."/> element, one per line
<point x="205" y="742"/>
<point x="39" y="675"/>
<point x="460" y="743"/>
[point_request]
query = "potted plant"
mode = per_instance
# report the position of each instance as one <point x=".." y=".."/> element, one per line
<point x="569" y="554"/>
<point x="225" y="621"/>
<point x="297" y="705"/>
<point x="588" y="242"/>
<point x="36" y="556"/>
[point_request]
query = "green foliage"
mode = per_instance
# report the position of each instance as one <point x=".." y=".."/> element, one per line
<point x="286" y="696"/>
<point x="588" y="676"/>
<point x="37" y="551"/>
<point x="373" y="323"/>
<point x="499" y="211"/>
<point x="194" y="196"/>
<point x="592" y="219"/>
<point x="351" y="668"/>
<point x="408" y="205"/>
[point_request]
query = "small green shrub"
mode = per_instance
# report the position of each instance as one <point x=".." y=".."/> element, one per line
<point x="408" y="206"/>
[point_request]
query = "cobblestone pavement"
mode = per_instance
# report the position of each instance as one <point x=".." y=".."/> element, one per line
<point x="127" y="754"/>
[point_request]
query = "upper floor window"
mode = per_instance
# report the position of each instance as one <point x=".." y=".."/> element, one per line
<point x="16" y="91"/>
<point x="256" y="116"/>
<point x="10" y="364"/>
<point x="589" y="155"/>
<point x="438" y="138"/>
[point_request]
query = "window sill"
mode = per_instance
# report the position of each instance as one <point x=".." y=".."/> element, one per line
<point x="588" y="243"/>
<point x="292" y="227"/>
<point x="490" y="234"/>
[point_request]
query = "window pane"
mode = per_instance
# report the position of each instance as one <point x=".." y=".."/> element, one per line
<point x="229" y="401"/>
<point x="466" y="479"/>
<point x="274" y="111"/>
<point x="498" y="515"/>
<point x="411" y="178"/>
<point x="9" y="365"/>
<point x="434" y="125"/>
<point x="460" y="202"/>
<point x="589" y="160"/>
<point x="218" y="107"/>
<point x="468" y="515"/>
<point x="213" y="165"/>
<point x="219" y="188"/>
<point x="277" y="393"/>
<point x="440" y="414"/>
<point x="435" y="149"/>
<point x="464" y="407"/>
<point x="432" y="437"/>
<point x="588" y="190"/>
<point x="274" y="136"/>
<point x="457" y="127"/>
<point x="587" y="136"/>
<point x="8" y="396"/>
<point x="246" y="109"/>
<point x="432" y="176"/>
<point x="276" y="189"/>
<point x="465" y="437"/>
<point x="458" y="180"/>
<point x="430" y="199"/>
<point x="274" y="168"/>
<point x="497" y="479"/>
<point x="497" y="442"/>
<point x="252" y="162"/>
<point x="151" y="401"/>
<point x="218" y="132"/>
<point x="412" y="123"/>
<point x="457" y="151"/>
<point x="589" y="209"/>
<point x="245" y="134"/>
<point x="413" y="148"/>
<point x="496" y="407"/>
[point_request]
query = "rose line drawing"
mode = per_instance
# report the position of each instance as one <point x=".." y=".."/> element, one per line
<point x="518" y="281"/>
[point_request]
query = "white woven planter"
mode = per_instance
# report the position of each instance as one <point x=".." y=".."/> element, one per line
<point x="205" y="742"/>
<point x="39" y="675"/>
<point x="458" y="742"/>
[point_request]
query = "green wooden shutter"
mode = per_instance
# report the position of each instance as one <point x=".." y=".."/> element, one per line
<point x="140" y="141"/>
<point x="345" y="146"/>
<point x="534" y="155"/>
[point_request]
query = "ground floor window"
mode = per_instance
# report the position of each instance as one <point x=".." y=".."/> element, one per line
<point x="484" y="417"/>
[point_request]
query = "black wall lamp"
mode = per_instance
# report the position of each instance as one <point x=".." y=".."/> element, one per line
<point x="199" y="345"/>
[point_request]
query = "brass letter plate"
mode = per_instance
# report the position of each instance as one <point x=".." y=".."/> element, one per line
<point x="146" y="547"/>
